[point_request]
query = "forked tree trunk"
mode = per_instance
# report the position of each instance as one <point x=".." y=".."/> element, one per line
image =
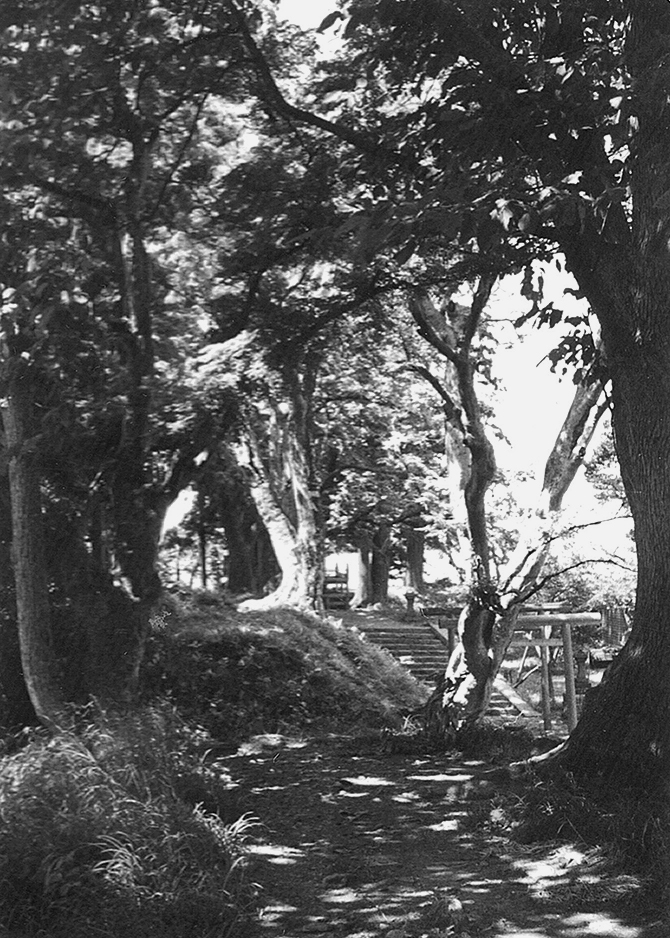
<point x="487" y="625"/>
<point x="487" y="622"/>
<point x="41" y="670"/>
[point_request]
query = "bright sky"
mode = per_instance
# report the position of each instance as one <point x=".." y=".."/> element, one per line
<point x="535" y="400"/>
<point x="306" y="13"/>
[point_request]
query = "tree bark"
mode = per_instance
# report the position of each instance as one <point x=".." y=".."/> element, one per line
<point x="279" y="486"/>
<point x="16" y="709"/>
<point x="41" y="668"/>
<point x="363" y="593"/>
<point x="251" y="560"/>
<point x="622" y="740"/>
<point x="488" y="620"/>
<point x="380" y="564"/>
<point x="202" y="541"/>
<point x="415" y="539"/>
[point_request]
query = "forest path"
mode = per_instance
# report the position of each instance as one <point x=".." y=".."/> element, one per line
<point x="360" y="843"/>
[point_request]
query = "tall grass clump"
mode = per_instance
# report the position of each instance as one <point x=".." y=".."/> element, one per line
<point x="97" y="838"/>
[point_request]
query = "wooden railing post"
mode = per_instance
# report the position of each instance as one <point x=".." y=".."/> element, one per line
<point x="569" y="670"/>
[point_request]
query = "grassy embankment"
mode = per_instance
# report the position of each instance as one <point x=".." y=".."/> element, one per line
<point x="128" y="826"/>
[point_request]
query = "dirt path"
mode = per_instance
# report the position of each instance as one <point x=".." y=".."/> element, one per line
<point x="359" y="843"/>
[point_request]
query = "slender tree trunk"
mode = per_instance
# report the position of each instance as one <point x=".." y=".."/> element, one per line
<point x="117" y="614"/>
<point x="202" y="541"/>
<point x="414" y="545"/>
<point x="251" y="560"/>
<point x="363" y="593"/>
<point x="16" y="709"/>
<point x="380" y="564"/>
<point x="41" y="669"/>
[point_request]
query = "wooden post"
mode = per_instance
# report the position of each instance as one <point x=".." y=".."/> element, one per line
<point x="450" y="642"/>
<point x="546" y="702"/>
<point x="547" y="633"/>
<point x="523" y="664"/>
<point x="569" y="670"/>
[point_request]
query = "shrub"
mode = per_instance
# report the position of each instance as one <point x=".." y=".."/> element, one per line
<point x="97" y="839"/>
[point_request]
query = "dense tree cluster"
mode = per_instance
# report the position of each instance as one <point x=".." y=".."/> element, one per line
<point x="231" y="261"/>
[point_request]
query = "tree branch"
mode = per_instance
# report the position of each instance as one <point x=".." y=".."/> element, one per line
<point x="276" y="99"/>
<point x="451" y="411"/>
<point x="524" y="597"/>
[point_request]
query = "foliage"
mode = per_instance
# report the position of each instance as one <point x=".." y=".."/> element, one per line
<point x="591" y="587"/>
<point x="271" y="672"/>
<point x="98" y="840"/>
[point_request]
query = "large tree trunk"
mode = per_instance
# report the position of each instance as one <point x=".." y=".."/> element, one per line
<point x="279" y="486"/>
<point x="622" y="741"/>
<point x="623" y="737"/>
<point x="41" y="668"/>
<point x="251" y="560"/>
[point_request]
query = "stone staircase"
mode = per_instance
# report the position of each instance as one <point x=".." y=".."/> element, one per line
<point x="424" y="652"/>
<point x="415" y="645"/>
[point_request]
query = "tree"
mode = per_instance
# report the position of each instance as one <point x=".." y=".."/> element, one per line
<point x="486" y="625"/>
<point x="549" y="132"/>
<point x="97" y="167"/>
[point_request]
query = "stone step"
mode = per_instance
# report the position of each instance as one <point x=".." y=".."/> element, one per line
<point x="424" y="655"/>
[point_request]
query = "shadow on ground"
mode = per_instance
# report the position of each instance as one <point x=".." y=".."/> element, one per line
<point x="355" y="842"/>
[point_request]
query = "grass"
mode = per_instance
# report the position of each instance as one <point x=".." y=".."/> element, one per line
<point x="126" y="826"/>
<point x="282" y="671"/>
<point x="98" y="838"/>
<point x="624" y="845"/>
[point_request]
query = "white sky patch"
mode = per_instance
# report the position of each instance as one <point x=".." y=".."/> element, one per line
<point x="306" y="13"/>
<point x="178" y="510"/>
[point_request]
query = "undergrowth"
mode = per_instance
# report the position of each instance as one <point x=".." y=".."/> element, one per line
<point x="635" y="832"/>
<point x="626" y="839"/>
<point x="240" y="674"/>
<point x="101" y="836"/>
<point x="485" y="742"/>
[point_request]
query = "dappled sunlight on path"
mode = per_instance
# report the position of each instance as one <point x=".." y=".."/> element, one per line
<point x="358" y="843"/>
